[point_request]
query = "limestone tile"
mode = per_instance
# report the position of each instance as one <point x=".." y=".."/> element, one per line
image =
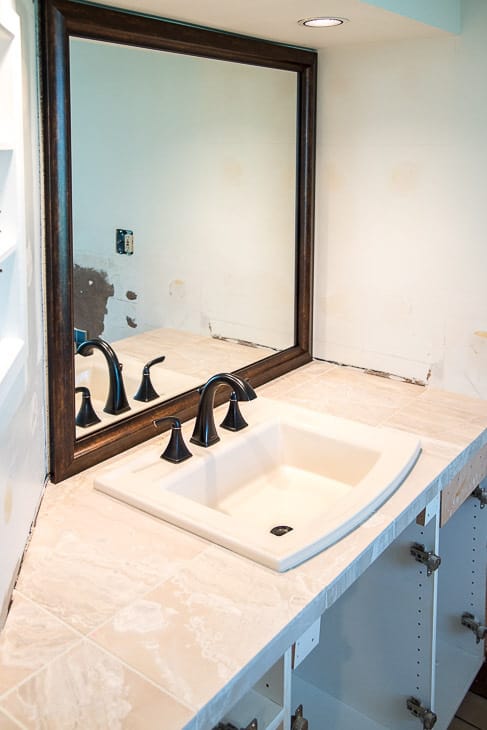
<point x="353" y="394"/>
<point x="30" y="638"/>
<point x="87" y="688"/>
<point x="192" y="635"/>
<point x="443" y="416"/>
<point x="309" y="374"/>
<point x="7" y="724"/>
<point x="90" y="555"/>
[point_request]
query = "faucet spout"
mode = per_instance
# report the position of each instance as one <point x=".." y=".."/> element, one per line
<point x="205" y="433"/>
<point x="116" y="400"/>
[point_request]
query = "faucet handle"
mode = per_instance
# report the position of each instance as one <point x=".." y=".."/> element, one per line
<point x="86" y="415"/>
<point x="233" y="421"/>
<point x="176" y="450"/>
<point x="146" y="391"/>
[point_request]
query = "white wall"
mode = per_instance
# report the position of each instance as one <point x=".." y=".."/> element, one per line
<point x="401" y="257"/>
<point x="197" y="157"/>
<point x="23" y="461"/>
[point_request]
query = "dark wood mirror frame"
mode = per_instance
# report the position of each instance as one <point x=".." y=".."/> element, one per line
<point x="59" y="20"/>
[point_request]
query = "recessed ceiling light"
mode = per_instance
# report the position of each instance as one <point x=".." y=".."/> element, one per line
<point x="325" y="22"/>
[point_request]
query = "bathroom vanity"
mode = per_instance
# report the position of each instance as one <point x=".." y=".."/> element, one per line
<point x="151" y="621"/>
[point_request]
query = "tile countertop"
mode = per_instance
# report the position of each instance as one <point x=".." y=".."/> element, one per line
<point x="123" y="621"/>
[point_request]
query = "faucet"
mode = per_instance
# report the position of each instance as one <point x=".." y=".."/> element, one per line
<point x="116" y="400"/>
<point x="205" y="433"/>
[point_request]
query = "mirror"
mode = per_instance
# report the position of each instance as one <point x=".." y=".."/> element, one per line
<point x="196" y="157"/>
<point x="179" y="203"/>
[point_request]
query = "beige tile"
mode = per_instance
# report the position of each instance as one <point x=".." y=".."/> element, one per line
<point x="7" y="724"/>
<point x="88" y="689"/>
<point x="90" y="555"/>
<point x="474" y="710"/>
<point x="193" y="635"/>
<point x="31" y="638"/>
<point x="351" y="393"/>
<point x="443" y="416"/>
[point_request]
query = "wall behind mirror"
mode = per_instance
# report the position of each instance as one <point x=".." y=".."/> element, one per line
<point x="202" y="144"/>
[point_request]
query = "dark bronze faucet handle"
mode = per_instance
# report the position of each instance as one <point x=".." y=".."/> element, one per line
<point x="176" y="450"/>
<point x="233" y="421"/>
<point x="146" y="391"/>
<point x="86" y="415"/>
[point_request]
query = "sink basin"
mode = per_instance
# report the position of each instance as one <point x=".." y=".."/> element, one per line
<point x="92" y="372"/>
<point x="280" y="491"/>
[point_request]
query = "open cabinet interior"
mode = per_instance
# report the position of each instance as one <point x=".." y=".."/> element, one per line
<point x="395" y="650"/>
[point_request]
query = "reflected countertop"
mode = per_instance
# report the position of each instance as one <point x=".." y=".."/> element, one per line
<point x="119" y="620"/>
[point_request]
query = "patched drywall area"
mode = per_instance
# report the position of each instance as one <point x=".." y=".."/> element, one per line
<point x="91" y="291"/>
<point x="400" y="247"/>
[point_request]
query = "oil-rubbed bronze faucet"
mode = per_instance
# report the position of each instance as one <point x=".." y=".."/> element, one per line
<point x="116" y="400"/>
<point x="205" y="433"/>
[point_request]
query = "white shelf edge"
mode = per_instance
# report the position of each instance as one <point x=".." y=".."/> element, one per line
<point x="253" y="704"/>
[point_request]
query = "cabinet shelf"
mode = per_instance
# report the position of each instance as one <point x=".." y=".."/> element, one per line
<point x="268" y="713"/>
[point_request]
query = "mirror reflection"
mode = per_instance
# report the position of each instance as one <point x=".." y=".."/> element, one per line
<point x="184" y="230"/>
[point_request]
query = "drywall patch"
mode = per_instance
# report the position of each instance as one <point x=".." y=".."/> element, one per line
<point x="91" y="291"/>
<point x="177" y="288"/>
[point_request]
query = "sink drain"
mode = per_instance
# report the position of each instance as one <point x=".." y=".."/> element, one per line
<point x="280" y="530"/>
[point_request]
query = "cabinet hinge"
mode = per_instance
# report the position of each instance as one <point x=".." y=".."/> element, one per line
<point x="427" y="717"/>
<point x="480" y="631"/>
<point x="480" y="493"/>
<point x="427" y="557"/>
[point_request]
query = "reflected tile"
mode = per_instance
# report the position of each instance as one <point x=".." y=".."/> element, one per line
<point x="90" y="690"/>
<point x="192" y="635"/>
<point x="90" y="555"/>
<point x="31" y="638"/>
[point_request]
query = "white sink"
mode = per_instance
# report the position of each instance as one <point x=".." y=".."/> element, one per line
<point x="92" y="372"/>
<point x="320" y="475"/>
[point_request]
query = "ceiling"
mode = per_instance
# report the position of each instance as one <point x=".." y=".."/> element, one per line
<point x="277" y="19"/>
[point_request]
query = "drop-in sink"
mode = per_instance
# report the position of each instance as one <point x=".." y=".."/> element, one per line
<point x="280" y="491"/>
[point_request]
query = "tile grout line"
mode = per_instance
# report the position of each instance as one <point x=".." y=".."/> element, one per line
<point x="12" y="718"/>
<point x="140" y="674"/>
<point x="88" y="640"/>
<point x="88" y="637"/>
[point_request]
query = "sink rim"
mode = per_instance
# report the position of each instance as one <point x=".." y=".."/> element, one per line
<point x="231" y="531"/>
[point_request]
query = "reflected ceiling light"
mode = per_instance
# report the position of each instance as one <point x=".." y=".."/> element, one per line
<point x="325" y="22"/>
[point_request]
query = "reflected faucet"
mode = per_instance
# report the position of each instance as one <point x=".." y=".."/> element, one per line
<point x="205" y="433"/>
<point x="116" y="400"/>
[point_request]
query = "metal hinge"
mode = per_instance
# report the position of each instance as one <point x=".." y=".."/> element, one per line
<point x="298" y="722"/>
<point x="480" y="631"/>
<point x="228" y="726"/>
<point x="481" y="494"/>
<point x="427" y="557"/>
<point x="427" y="717"/>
